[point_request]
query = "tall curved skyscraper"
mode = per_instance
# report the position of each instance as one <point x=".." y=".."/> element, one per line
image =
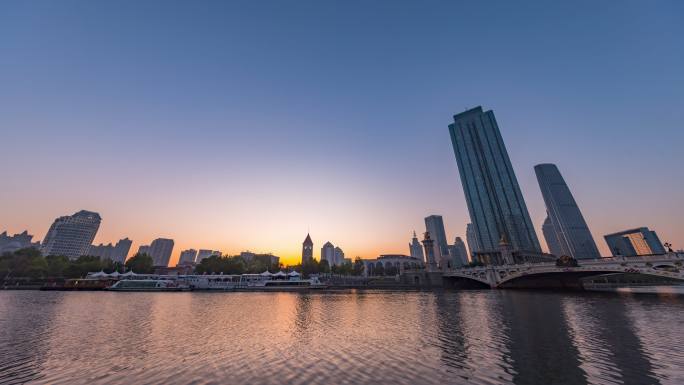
<point x="572" y="235"/>
<point x="495" y="203"/>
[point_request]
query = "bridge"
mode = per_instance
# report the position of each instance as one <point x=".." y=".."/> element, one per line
<point x="549" y="275"/>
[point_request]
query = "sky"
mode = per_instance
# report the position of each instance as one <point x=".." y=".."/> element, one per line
<point x="241" y="125"/>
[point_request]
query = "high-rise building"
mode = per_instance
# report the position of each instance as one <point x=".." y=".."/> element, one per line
<point x="15" y="242"/>
<point x="72" y="236"/>
<point x="473" y="243"/>
<point x="206" y="253"/>
<point x="307" y="249"/>
<point x="339" y="256"/>
<point x="435" y="226"/>
<point x="495" y="203"/>
<point x="144" y="249"/>
<point x="416" y="248"/>
<point x="572" y="232"/>
<point x="116" y="253"/>
<point x="458" y="254"/>
<point x="328" y="253"/>
<point x="187" y="257"/>
<point x="634" y="242"/>
<point x="551" y="237"/>
<point x="160" y="250"/>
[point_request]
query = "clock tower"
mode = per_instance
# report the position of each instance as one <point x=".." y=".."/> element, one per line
<point x="307" y="250"/>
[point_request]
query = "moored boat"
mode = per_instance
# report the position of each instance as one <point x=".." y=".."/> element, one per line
<point x="149" y="285"/>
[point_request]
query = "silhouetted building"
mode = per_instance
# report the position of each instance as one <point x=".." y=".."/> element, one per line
<point x="435" y="226"/>
<point x="264" y="259"/>
<point x="160" y="250"/>
<point x="187" y="257"/>
<point x="339" y="256"/>
<point x="634" y="242"/>
<point x="116" y="253"/>
<point x="328" y="253"/>
<point x="473" y="243"/>
<point x="572" y="233"/>
<point x="390" y="264"/>
<point x="429" y="246"/>
<point x="458" y="254"/>
<point x="494" y="199"/>
<point x="551" y="237"/>
<point x="307" y="249"/>
<point x="144" y="249"/>
<point x="72" y="236"/>
<point x="17" y="241"/>
<point x="206" y="253"/>
<point x="416" y="249"/>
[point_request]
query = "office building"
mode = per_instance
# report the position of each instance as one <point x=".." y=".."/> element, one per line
<point x="551" y="237"/>
<point x="473" y="243"/>
<point x="634" y="242"/>
<point x="435" y="226"/>
<point x="328" y="253"/>
<point x="71" y="236"/>
<point x="458" y="256"/>
<point x="187" y="257"/>
<point x="339" y="256"/>
<point x="495" y="203"/>
<point x="572" y="233"/>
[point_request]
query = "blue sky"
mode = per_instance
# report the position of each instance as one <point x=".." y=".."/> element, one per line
<point x="237" y="125"/>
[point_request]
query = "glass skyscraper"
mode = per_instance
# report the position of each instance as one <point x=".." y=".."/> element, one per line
<point x="495" y="203"/>
<point x="566" y="221"/>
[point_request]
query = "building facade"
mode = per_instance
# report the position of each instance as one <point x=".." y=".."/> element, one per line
<point x="187" y="257"/>
<point x="307" y="250"/>
<point x="71" y="236"/>
<point x="328" y="253"/>
<point x="458" y="254"/>
<point x="416" y="249"/>
<point x="206" y="253"/>
<point x="473" y="243"/>
<point x="572" y="233"/>
<point x="635" y="242"/>
<point x="494" y="199"/>
<point x="116" y="253"/>
<point x="429" y="247"/>
<point x="435" y="226"/>
<point x="160" y="250"/>
<point x="390" y="264"/>
<point x="10" y="244"/>
<point x="551" y="237"/>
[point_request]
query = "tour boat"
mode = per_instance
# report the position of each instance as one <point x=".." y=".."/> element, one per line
<point x="279" y="281"/>
<point x="148" y="285"/>
<point x="218" y="282"/>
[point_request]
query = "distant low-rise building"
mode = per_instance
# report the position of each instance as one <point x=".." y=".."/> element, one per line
<point x="634" y="242"/>
<point x="10" y="244"/>
<point x="390" y="264"/>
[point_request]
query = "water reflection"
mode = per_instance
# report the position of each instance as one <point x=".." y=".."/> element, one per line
<point x="356" y="337"/>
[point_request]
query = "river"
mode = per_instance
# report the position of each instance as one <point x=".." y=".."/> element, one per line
<point x="353" y="337"/>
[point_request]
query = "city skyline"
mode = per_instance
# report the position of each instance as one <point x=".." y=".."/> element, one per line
<point x="264" y="108"/>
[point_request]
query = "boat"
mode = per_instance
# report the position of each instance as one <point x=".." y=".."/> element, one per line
<point x="148" y="285"/>
<point x="211" y="282"/>
<point x="279" y="281"/>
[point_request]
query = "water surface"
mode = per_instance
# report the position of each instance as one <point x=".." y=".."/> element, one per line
<point x="356" y="337"/>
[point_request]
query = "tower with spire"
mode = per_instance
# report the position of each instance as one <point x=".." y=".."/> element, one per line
<point x="307" y="250"/>
<point x="416" y="250"/>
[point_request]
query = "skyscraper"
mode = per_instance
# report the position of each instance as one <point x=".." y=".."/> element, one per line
<point x="307" y="249"/>
<point x="160" y="250"/>
<point x="328" y="253"/>
<point x="339" y="256"/>
<point x="572" y="233"/>
<point x="458" y="254"/>
<point x="634" y="242"/>
<point x="72" y="236"/>
<point x="495" y="203"/>
<point x="551" y="237"/>
<point x="473" y="243"/>
<point x="435" y="226"/>
<point x="416" y="250"/>
<point x="187" y="257"/>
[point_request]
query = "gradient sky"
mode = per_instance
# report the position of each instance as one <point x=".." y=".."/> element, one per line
<point x="241" y="125"/>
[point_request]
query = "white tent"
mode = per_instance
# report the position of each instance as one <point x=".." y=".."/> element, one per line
<point x="99" y="274"/>
<point x="294" y="274"/>
<point x="266" y="274"/>
<point x="280" y="274"/>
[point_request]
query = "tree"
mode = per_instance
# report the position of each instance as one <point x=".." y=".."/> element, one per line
<point x="141" y="264"/>
<point x="57" y="265"/>
<point x="358" y="266"/>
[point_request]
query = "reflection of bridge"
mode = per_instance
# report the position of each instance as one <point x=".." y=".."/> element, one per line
<point x="548" y="275"/>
